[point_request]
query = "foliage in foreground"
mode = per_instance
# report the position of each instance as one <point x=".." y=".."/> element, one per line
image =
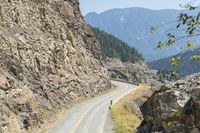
<point x="189" y="23"/>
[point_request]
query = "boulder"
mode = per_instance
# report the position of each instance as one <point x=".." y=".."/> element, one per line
<point x="174" y="108"/>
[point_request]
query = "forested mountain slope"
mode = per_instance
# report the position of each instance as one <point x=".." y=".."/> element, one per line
<point x="186" y="67"/>
<point x="113" y="47"/>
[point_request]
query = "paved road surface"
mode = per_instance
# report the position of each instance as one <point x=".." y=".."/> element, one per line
<point x="91" y="116"/>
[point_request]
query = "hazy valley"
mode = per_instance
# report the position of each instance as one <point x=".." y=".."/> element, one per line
<point x="60" y="75"/>
<point x="132" y="25"/>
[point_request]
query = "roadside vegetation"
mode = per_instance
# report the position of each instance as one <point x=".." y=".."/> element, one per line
<point x="126" y="120"/>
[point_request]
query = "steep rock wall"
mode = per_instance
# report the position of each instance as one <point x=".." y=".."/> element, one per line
<point x="48" y="58"/>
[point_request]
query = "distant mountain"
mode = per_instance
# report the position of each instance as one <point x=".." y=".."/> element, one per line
<point x="132" y="25"/>
<point x="113" y="47"/>
<point x="187" y="66"/>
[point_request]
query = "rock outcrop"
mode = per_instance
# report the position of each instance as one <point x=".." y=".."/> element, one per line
<point x="174" y="108"/>
<point x="132" y="72"/>
<point x="48" y="58"/>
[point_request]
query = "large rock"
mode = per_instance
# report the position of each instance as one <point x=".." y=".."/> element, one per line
<point x="48" y="58"/>
<point x="174" y="108"/>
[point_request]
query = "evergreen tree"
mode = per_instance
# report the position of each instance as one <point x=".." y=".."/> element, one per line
<point x="113" y="47"/>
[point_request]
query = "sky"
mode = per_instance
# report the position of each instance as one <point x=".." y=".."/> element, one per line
<point x="103" y="5"/>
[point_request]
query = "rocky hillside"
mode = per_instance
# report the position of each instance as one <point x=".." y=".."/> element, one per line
<point x="174" y="108"/>
<point x="48" y="59"/>
<point x="136" y="73"/>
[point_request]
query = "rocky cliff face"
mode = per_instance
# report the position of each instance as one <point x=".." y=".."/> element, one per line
<point x="48" y="59"/>
<point x="137" y="73"/>
<point x="174" y="108"/>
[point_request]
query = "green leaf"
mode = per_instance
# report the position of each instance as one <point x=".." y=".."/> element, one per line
<point x="174" y="74"/>
<point x="152" y="29"/>
<point x="159" y="45"/>
<point x="190" y="43"/>
<point x="178" y="26"/>
<point x="196" y="57"/>
<point x="173" y="59"/>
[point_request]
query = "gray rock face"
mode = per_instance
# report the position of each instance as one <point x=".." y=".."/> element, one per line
<point x="174" y="108"/>
<point x="48" y="58"/>
<point x="136" y="73"/>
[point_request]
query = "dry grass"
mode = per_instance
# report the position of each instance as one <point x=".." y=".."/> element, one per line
<point x="139" y="92"/>
<point x="124" y="120"/>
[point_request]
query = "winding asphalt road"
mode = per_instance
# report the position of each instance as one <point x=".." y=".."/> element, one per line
<point x="91" y="116"/>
